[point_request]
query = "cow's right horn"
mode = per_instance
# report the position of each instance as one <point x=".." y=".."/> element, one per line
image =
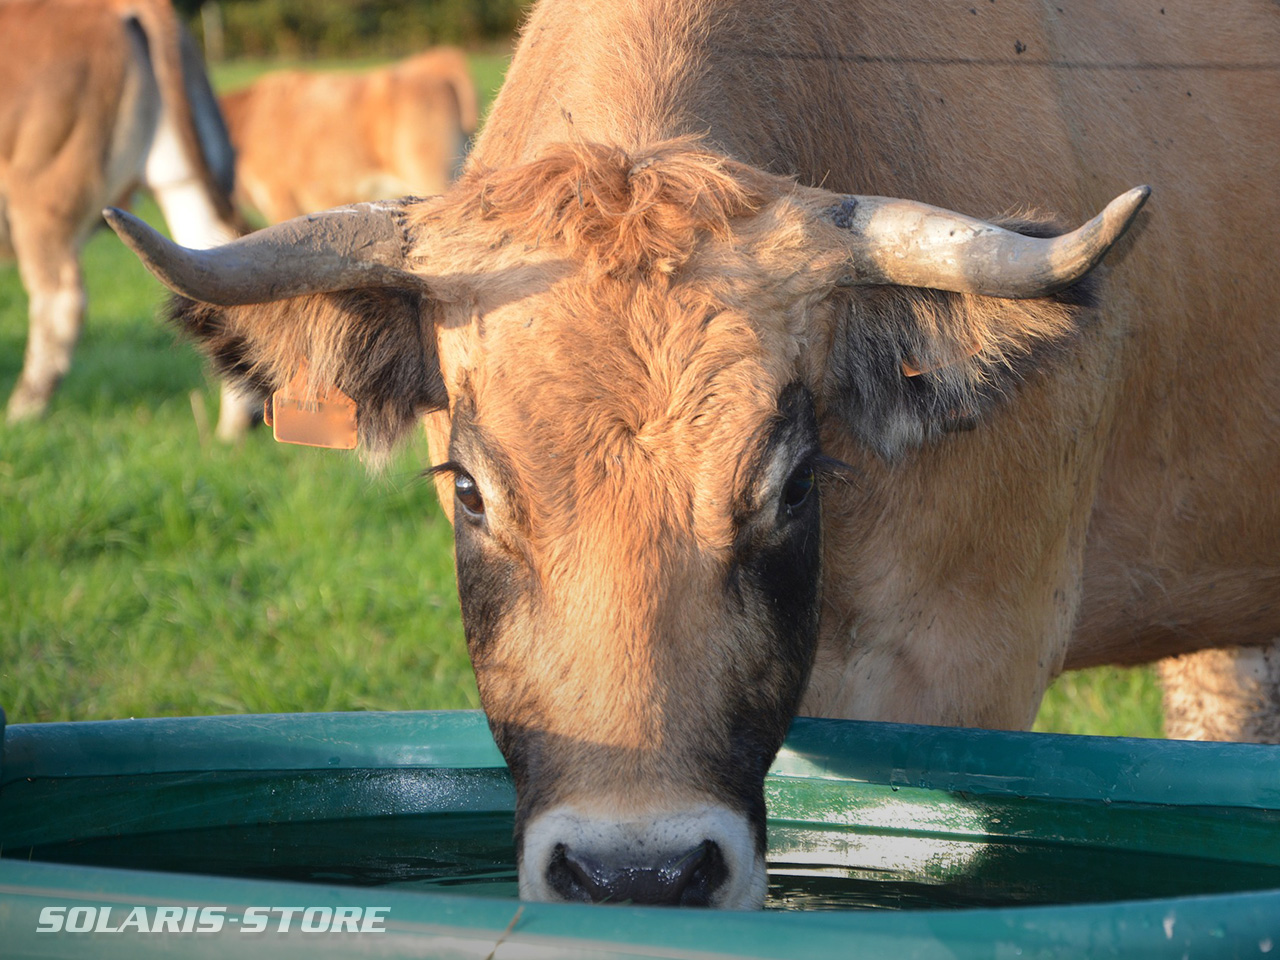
<point x="362" y="245"/>
<point x="915" y="245"/>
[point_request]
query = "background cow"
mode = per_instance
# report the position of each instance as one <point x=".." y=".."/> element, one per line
<point x="306" y="141"/>
<point x="720" y="444"/>
<point x="98" y="97"/>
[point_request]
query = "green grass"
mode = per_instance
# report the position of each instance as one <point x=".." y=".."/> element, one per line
<point x="1106" y="701"/>
<point x="150" y="571"/>
<point x="146" y="570"/>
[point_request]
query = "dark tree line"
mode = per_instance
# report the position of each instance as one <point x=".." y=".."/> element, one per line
<point x="332" y="28"/>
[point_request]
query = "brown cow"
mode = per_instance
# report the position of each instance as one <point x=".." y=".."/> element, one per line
<point x="306" y="141"/>
<point x="720" y="444"/>
<point x="98" y="97"/>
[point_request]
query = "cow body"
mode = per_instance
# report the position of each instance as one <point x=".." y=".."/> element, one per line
<point x="306" y="141"/>
<point x="715" y="453"/>
<point x="1154" y="556"/>
<point x="97" y="98"/>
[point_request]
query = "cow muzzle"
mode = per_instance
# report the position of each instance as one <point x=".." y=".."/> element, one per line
<point x="706" y="856"/>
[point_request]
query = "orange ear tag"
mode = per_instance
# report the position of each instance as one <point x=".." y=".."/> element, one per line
<point x="326" y="418"/>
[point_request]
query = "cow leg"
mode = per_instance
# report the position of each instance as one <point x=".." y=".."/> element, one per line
<point x="194" y="220"/>
<point x="237" y="412"/>
<point x="55" y="289"/>
<point x="1232" y="693"/>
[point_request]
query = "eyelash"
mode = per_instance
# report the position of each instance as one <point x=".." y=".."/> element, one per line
<point x="825" y="466"/>
<point x="449" y="466"/>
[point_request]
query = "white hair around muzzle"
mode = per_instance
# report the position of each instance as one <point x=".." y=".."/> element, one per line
<point x="704" y="855"/>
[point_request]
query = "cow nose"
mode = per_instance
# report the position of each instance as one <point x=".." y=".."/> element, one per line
<point x="684" y="879"/>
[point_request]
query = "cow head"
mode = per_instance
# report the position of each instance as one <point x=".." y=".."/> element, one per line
<point x="627" y="366"/>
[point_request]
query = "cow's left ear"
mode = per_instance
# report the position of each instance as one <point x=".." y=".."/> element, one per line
<point x="908" y="365"/>
<point x="939" y="315"/>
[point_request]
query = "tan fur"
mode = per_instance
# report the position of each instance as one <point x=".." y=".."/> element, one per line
<point x="620" y="214"/>
<point x="634" y="268"/>
<point x="307" y="141"/>
<point x="623" y="594"/>
<point x="1226" y="694"/>
<point x="80" y="104"/>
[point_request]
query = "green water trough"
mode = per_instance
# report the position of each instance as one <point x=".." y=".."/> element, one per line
<point x="389" y="835"/>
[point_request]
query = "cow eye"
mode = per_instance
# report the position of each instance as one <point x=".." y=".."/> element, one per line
<point x="798" y="489"/>
<point x="468" y="494"/>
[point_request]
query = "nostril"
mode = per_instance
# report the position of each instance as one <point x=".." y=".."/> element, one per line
<point x="571" y="878"/>
<point x="688" y="879"/>
<point x="703" y="875"/>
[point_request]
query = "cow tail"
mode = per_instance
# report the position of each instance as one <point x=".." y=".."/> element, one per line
<point x="183" y="85"/>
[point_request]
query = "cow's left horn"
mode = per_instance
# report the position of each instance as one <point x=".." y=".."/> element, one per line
<point x="916" y="245"/>
<point x="362" y="245"/>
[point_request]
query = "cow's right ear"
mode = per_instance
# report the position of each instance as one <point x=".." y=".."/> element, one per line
<point x="375" y="344"/>
<point x="331" y="291"/>
<point x="947" y="313"/>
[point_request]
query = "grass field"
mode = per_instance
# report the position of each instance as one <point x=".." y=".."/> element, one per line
<point x="146" y="570"/>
